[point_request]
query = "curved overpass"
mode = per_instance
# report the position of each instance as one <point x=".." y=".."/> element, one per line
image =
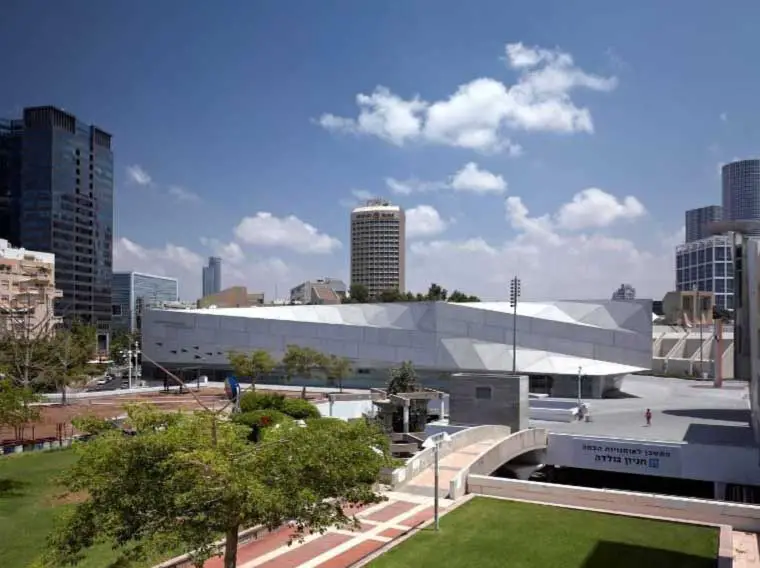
<point x="478" y="450"/>
<point x="503" y="451"/>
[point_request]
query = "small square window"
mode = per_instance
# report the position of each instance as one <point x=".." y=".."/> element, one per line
<point x="483" y="393"/>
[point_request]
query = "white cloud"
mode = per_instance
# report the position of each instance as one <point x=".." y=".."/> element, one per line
<point x="266" y="230"/>
<point x="182" y="194"/>
<point x="424" y="221"/>
<point x="257" y="274"/>
<point x="593" y="207"/>
<point x="413" y="185"/>
<point x="470" y="179"/>
<point x="552" y="264"/>
<point x="479" y="113"/>
<point x="136" y="174"/>
<point x="230" y="252"/>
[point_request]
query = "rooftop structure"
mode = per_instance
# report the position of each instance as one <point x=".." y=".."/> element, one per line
<point x="321" y="291"/>
<point x="624" y="292"/>
<point x="233" y="297"/>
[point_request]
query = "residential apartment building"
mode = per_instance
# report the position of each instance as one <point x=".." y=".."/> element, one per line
<point x="134" y="292"/>
<point x="378" y="247"/>
<point x="741" y="191"/>
<point x="706" y="266"/>
<point x="56" y="196"/>
<point x="698" y="221"/>
<point x="212" y="276"/>
<point x="27" y="291"/>
<point x="321" y="291"/>
<point x="625" y="292"/>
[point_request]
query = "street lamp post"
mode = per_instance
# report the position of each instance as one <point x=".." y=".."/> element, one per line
<point x="435" y="442"/>
<point x="698" y="313"/>
<point x="514" y="295"/>
<point x="580" y="391"/>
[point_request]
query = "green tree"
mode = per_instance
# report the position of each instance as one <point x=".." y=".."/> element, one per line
<point x="457" y="297"/>
<point x="391" y="295"/>
<point x="338" y="368"/>
<point x="16" y="408"/>
<point x="358" y="294"/>
<point x="67" y="361"/>
<point x="254" y="365"/>
<point x="121" y="342"/>
<point x="184" y="479"/>
<point x="436" y="293"/>
<point x="304" y="362"/>
<point x="404" y="380"/>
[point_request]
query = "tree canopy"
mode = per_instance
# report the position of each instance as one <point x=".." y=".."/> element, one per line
<point x="184" y="480"/>
<point x="252" y="365"/>
<point x="358" y="294"/>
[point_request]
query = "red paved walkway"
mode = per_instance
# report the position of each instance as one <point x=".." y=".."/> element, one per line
<point x="337" y="548"/>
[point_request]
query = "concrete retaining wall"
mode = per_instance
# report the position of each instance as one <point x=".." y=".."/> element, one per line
<point x="493" y="458"/>
<point x="425" y="458"/>
<point x="740" y="516"/>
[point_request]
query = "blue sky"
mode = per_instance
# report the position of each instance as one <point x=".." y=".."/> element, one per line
<point x="225" y="112"/>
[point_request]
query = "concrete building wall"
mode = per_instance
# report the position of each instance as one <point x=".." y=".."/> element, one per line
<point x="605" y="338"/>
<point x="478" y="398"/>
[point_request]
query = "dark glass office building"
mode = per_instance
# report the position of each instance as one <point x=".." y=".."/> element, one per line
<point x="57" y="173"/>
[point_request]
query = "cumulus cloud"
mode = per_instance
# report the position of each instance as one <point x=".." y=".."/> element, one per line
<point x="593" y="207"/>
<point x="424" y="221"/>
<point x="471" y="178"/>
<point x="265" y="230"/>
<point x="479" y="114"/>
<point x="550" y="255"/>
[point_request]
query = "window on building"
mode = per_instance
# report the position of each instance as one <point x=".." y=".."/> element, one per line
<point x="483" y="393"/>
<point x="116" y="310"/>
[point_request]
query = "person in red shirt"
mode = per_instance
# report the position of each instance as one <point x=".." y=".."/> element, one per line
<point x="648" y="416"/>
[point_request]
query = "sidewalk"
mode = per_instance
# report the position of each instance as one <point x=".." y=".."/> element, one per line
<point x="338" y="548"/>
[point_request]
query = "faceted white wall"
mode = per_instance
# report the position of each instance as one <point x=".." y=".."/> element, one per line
<point x="605" y="338"/>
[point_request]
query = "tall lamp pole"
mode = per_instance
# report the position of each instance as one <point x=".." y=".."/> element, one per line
<point x="698" y="313"/>
<point x="514" y="295"/>
<point x="580" y="383"/>
<point x="435" y="442"/>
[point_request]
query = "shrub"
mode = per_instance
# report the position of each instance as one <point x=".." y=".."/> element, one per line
<point x="251" y="401"/>
<point x="261" y="418"/>
<point x="299" y="409"/>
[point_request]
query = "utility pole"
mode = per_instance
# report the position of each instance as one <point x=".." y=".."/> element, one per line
<point x="514" y="295"/>
<point x="580" y="391"/>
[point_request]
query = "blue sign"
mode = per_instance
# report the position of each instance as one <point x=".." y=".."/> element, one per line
<point x="232" y="388"/>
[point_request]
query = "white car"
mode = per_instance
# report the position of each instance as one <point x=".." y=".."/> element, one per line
<point x="101" y="381"/>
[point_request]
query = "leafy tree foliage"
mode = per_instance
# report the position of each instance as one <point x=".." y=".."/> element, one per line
<point x="300" y="409"/>
<point x="122" y="342"/>
<point x="16" y="408"/>
<point x="358" y="294"/>
<point x="404" y="380"/>
<point x="184" y="479"/>
<point x="67" y="358"/>
<point x="304" y="362"/>
<point x="337" y="369"/>
<point x="435" y="293"/>
<point x="252" y="365"/>
<point x="251" y="401"/>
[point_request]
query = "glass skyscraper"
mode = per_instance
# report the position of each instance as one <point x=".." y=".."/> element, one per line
<point x="134" y="291"/>
<point x="741" y="191"/>
<point x="698" y="222"/>
<point x="57" y="175"/>
<point x="706" y="265"/>
<point x="212" y="276"/>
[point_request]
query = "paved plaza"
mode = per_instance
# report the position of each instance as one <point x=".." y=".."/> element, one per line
<point x="682" y="411"/>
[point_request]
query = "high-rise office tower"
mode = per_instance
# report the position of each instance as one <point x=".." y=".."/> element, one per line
<point x="57" y="177"/>
<point x="741" y="191"/>
<point x="698" y="221"/>
<point x="212" y="276"/>
<point x="378" y="247"/>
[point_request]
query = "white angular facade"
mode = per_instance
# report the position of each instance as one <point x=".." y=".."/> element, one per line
<point x="553" y="338"/>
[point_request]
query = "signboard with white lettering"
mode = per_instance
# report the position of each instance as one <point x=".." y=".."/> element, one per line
<point x="628" y="457"/>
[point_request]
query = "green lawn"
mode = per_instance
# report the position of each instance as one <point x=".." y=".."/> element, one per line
<point x="495" y="533"/>
<point x="28" y="505"/>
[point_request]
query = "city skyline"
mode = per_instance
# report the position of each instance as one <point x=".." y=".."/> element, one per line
<point x="574" y="175"/>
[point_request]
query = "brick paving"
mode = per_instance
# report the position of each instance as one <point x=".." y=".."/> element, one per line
<point x="341" y="548"/>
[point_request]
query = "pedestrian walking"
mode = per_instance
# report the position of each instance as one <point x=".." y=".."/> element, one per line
<point x="648" y="416"/>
